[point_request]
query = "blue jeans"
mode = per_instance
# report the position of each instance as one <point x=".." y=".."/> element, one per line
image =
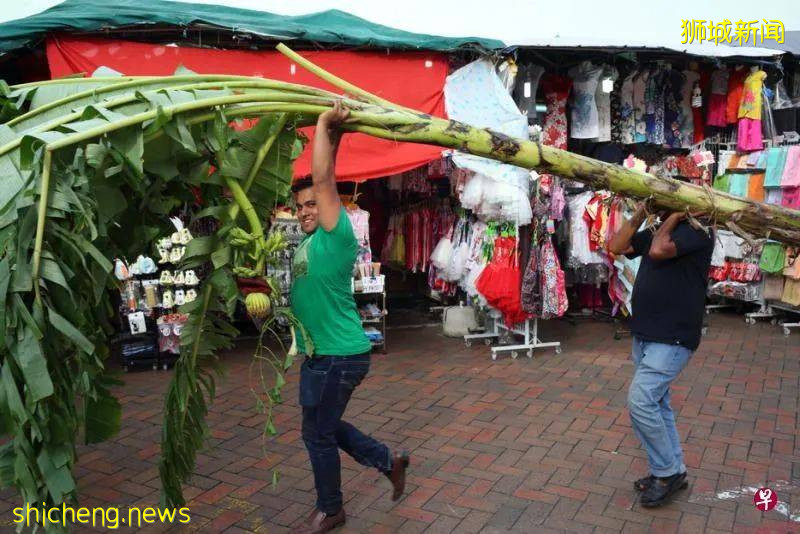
<point x="652" y="418"/>
<point x="326" y="384"/>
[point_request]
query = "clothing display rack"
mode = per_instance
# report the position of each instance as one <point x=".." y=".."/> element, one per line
<point x="529" y="332"/>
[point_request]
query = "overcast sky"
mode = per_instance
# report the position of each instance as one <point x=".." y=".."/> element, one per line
<point x="514" y="20"/>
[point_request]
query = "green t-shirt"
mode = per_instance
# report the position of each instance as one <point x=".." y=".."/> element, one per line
<point x="322" y="296"/>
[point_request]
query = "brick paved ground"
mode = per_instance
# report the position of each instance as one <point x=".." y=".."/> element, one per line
<point x="541" y="445"/>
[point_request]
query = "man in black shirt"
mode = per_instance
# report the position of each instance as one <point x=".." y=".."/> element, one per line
<point x="667" y="320"/>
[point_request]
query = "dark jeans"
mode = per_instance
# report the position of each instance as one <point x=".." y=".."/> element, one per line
<point x="326" y="383"/>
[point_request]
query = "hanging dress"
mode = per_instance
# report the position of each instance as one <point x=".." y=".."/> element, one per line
<point x="639" y="108"/>
<point x="584" y="116"/>
<point x="673" y="109"/>
<point x="718" y="101"/>
<point x="556" y="90"/>
<point x="749" y="113"/>
<point x="691" y="79"/>
<point x="627" y="118"/>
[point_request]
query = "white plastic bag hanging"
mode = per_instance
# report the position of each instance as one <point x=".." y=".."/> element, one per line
<point x="440" y="257"/>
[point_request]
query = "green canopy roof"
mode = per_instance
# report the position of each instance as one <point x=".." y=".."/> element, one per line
<point x="329" y="27"/>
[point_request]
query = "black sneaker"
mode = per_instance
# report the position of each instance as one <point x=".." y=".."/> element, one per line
<point x="662" y="489"/>
<point x="645" y="482"/>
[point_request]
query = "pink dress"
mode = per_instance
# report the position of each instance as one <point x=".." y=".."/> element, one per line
<point x="749" y="135"/>
<point x="749" y="113"/>
<point x="718" y="101"/>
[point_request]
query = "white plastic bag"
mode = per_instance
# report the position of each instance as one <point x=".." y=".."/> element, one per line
<point x="440" y="257"/>
<point x="458" y="321"/>
<point x="457" y="263"/>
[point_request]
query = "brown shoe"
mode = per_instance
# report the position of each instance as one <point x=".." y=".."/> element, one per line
<point x="400" y="463"/>
<point x="318" y="523"/>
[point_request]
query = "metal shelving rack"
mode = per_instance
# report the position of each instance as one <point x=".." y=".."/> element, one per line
<point x="380" y="297"/>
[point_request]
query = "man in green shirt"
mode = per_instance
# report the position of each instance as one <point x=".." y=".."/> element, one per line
<point x="338" y="361"/>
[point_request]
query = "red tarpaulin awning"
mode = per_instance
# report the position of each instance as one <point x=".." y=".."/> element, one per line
<point x="412" y="79"/>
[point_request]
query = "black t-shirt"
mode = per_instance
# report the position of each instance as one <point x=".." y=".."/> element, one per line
<point x="669" y="295"/>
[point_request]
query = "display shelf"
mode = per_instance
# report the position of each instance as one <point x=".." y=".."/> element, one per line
<point x="379" y="298"/>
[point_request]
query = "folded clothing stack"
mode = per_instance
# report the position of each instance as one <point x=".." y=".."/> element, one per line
<point x="373" y="334"/>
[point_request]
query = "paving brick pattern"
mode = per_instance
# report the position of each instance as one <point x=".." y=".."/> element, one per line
<point x="527" y="445"/>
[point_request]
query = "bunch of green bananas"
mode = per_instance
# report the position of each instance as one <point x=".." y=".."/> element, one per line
<point x="245" y="272"/>
<point x="275" y="242"/>
<point x="239" y="237"/>
<point x="259" y="250"/>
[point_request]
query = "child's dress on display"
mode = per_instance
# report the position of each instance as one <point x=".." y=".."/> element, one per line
<point x="749" y="136"/>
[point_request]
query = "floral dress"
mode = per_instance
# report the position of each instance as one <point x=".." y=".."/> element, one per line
<point x="639" y="90"/>
<point x="625" y="122"/>
<point x="556" y="90"/>
<point x="654" y="107"/>
<point x="673" y="109"/>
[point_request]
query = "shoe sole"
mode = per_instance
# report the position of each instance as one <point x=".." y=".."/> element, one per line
<point x="682" y="487"/>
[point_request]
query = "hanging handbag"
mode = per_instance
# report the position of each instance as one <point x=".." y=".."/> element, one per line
<point x="772" y="257"/>
<point x="791" y="266"/>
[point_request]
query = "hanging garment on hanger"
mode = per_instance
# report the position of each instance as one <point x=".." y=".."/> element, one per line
<point x="531" y="287"/>
<point x="584" y="114"/>
<point x="556" y="91"/>
<point x="603" y="101"/>
<point x="718" y="101"/>
<point x="359" y="220"/>
<point x="525" y="88"/>
<point x="691" y="80"/>
<point x="500" y="281"/>
<point x="579" y="251"/>
<point x="735" y="91"/>
<point x="654" y="106"/>
<point x="627" y="115"/>
<point x="701" y="89"/>
<point x="750" y="105"/>
<point x="553" y="284"/>
<point x="475" y="95"/>
<point x="673" y="108"/>
<point x="639" y="105"/>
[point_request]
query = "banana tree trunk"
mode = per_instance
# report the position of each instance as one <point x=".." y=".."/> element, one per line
<point x="746" y="217"/>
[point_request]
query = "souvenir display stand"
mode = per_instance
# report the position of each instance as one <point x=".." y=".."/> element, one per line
<point x="149" y="320"/>
<point x="370" y="295"/>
